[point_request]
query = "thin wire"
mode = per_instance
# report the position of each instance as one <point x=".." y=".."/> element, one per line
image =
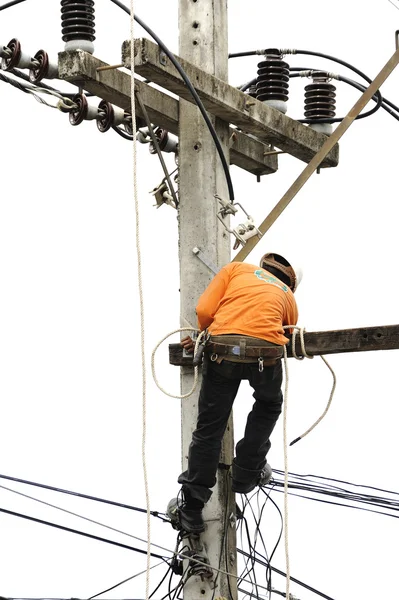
<point x="298" y="581"/>
<point x="388" y="1"/>
<point x="80" y="495"/>
<point x="77" y="532"/>
<point x="69" y="512"/>
<point x="65" y="104"/>
<point x="124" y="581"/>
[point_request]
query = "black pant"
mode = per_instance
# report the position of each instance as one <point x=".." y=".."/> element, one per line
<point x="220" y="383"/>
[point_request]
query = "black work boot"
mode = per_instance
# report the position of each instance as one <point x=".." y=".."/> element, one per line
<point x="246" y="480"/>
<point x="186" y="514"/>
<point x="190" y="514"/>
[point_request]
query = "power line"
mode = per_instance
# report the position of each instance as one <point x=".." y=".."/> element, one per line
<point x="294" y="579"/>
<point x="125" y="581"/>
<point x="77" y="532"/>
<point x="9" y="4"/>
<point x="81" y="495"/>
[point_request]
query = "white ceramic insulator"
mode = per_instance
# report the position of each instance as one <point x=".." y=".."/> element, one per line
<point x="84" y="45"/>
<point x="277" y="104"/>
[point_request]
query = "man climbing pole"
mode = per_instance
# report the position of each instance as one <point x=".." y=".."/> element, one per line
<point x="243" y="309"/>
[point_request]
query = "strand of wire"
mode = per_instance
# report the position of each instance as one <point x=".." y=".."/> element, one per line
<point x="125" y="581"/>
<point x="80" y="495"/>
<point x="141" y="301"/>
<point x="79" y="516"/>
<point x="64" y="103"/>
<point x="197" y="342"/>
<point x="304" y="354"/>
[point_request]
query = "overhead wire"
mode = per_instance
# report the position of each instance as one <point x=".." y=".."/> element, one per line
<point x="77" y="532"/>
<point x="74" y="514"/>
<point x="9" y="4"/>
<point x="124" y="581"/>
<point x="294" y="579"/>
<point x="81" y="495"/>
<point x="193" y="92"/>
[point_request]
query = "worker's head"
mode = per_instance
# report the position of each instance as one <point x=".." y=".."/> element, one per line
<point x="278" y="266"/>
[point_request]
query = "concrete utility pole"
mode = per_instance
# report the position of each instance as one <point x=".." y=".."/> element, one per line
<point x="200" y="178"/>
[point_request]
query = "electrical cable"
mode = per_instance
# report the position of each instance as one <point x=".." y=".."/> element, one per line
<point x="77" y="532"/>
<point x="319" y="55"/>
<point x="69" y="512"/>
<point x="193" y="92"/>
<point x="124" y="581"/>
<point x="294" y="579"/>
<point x="9" y="4"/>
<point x="122" y="133"/>
<point x="65" y="104"/>
<point x="154" y="513"/>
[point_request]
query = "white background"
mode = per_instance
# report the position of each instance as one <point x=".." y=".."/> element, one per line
<point x="70" y="362"/>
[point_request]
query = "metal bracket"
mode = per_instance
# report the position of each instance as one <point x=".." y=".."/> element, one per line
<point x="242" y="232"/>
<point x="163" y="195"/>
<point x="203" y="258"/>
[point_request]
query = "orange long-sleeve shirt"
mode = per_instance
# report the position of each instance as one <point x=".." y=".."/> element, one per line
<point x="247" y="300"/>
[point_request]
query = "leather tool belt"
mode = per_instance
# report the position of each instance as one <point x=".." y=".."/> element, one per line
<point x="243" y="348"/>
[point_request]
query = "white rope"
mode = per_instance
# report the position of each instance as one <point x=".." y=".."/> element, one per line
<point x="141" y="300"/>
<point x="285" y="445"/>
<point x="197" y="342"/>
<point x="301" y="331"/>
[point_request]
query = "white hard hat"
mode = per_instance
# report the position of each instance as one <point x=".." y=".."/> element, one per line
<point x="276" y="261"/>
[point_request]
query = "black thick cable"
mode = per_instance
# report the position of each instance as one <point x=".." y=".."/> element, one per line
<point x="9" y="4"/>
<point x="193" y="93"/>
<point x="154" y="513"/>
<point x="82" y="533"/>
<point x="122" y="133"/>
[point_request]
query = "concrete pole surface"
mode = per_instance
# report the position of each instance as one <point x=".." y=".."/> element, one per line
<point x="203" y="42"/>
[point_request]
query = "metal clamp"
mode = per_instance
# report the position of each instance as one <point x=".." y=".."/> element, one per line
<point x="242" y="232"/>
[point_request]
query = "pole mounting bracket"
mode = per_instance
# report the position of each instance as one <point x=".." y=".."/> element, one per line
<point x="203" y="258"/>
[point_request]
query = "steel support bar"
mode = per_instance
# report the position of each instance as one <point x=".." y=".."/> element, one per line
<point x="323" y="152"/>
<point x="229" y="104"/>
<point x="113" y="85"/>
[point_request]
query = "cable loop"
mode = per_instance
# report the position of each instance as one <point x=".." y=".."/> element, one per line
<point x="197" y="342"/>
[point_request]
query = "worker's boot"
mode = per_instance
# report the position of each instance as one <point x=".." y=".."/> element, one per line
<point x="186" y="514"/>
<point x="246" y="480"/>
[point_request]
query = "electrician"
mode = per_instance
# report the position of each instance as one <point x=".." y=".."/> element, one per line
<point x="243" y="310"/>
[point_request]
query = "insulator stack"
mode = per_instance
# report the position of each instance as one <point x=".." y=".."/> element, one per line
<point x="77" y="21"/>
<point x="273" y="80"/>
<point x="320" y="102"/>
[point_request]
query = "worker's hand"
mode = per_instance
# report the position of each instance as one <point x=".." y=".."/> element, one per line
<point x="188" y="344"/>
